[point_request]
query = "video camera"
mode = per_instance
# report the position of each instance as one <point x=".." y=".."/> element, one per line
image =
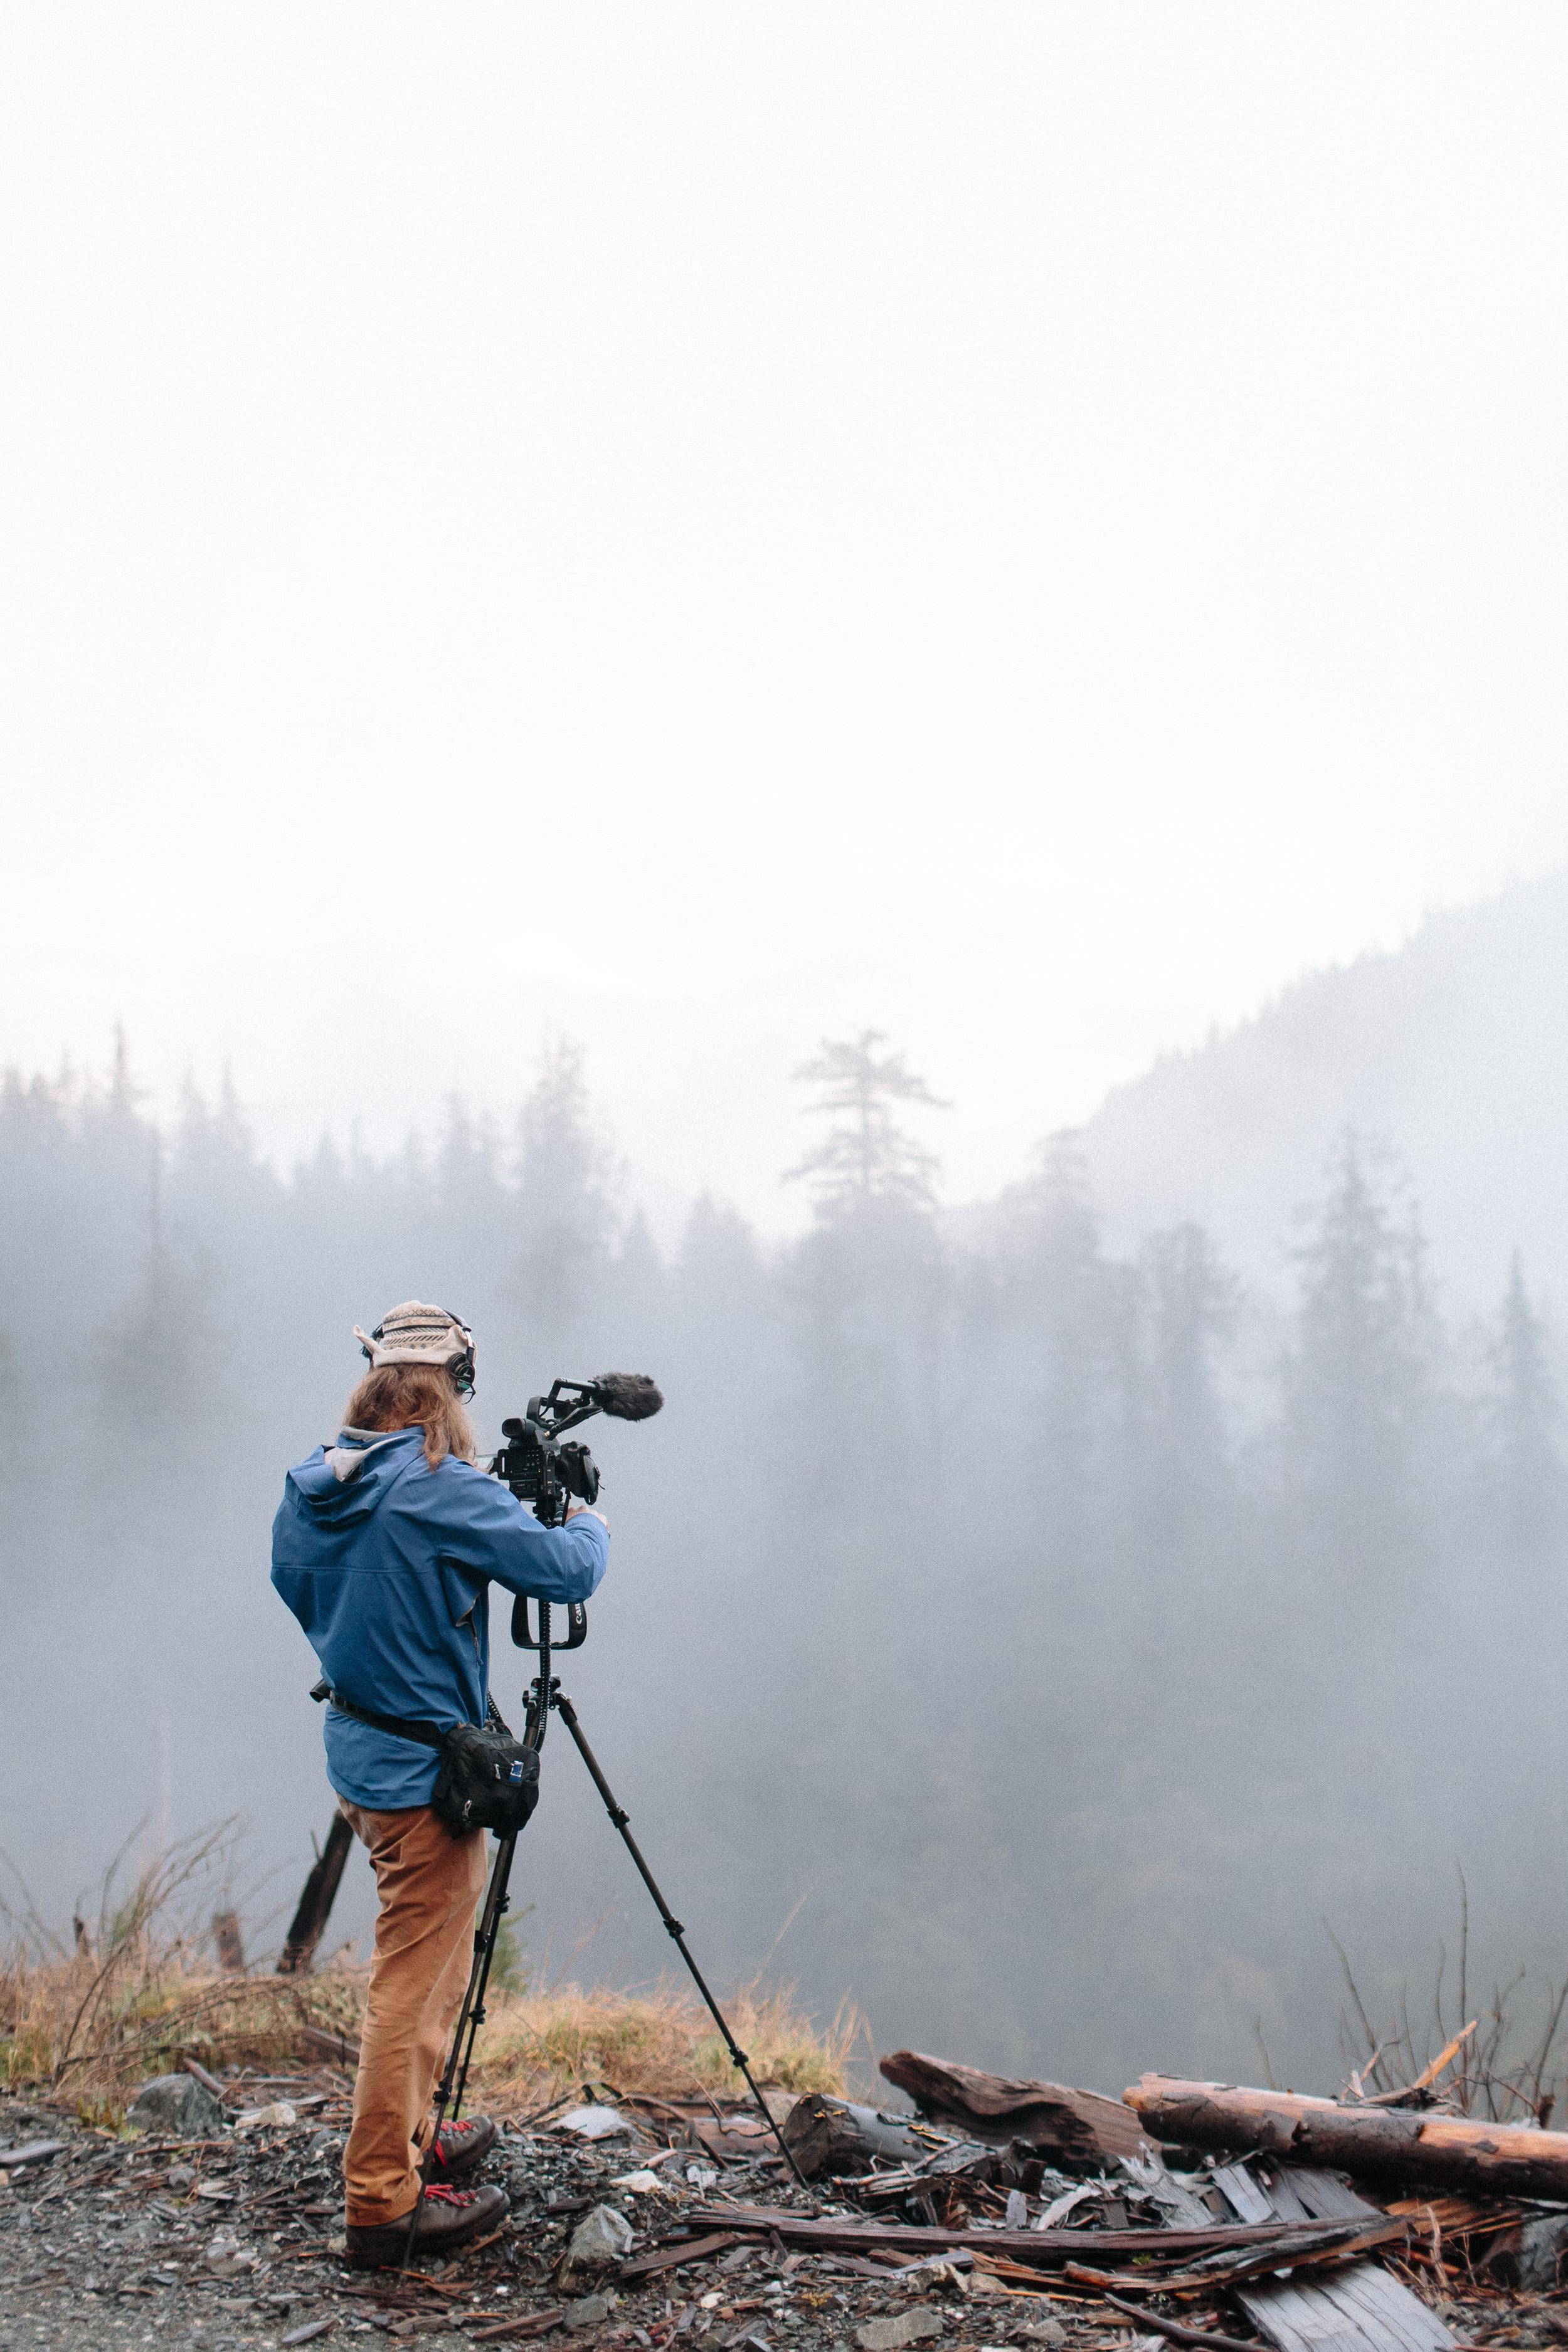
<point x="537" y="1463"/>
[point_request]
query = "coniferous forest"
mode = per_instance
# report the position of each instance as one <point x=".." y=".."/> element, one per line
<point x="1063" y="1638"/>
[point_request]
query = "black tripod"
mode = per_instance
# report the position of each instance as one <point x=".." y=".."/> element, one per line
<point x="544" y="1695"/>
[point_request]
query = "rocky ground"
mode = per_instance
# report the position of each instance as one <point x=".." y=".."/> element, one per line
<point x="235" y="2240"/>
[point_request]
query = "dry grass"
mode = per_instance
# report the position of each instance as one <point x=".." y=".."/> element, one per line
<point x="1473" y="2056"/>
<point x="136" y="1990"/>
<point x="161" y="2009"/>
<point x="661" y="2043"/>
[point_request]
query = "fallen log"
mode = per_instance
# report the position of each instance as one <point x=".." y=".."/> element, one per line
<point x="1079" y="2128"/>
<point x="1377" y="2143"/>
<point x="827" y="2135"/>
<point x="336" y="2046"/>
<point x="1040" y="2248"/>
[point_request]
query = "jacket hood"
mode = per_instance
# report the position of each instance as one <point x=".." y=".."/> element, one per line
<point x="344" y="1482"/>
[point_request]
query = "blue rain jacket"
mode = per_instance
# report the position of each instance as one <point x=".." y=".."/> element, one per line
<point x="387" y="1564"/>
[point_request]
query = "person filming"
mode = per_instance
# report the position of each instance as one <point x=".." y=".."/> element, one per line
<point x="385" y="1547"/>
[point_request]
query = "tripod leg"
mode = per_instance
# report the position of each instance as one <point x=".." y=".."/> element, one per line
<point x="471" y="2017"/>
<point x="673" y="1927"/>
<point x="485" y="1935"/>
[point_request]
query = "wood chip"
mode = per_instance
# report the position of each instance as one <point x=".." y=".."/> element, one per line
<point x="527" y="2322"/>
<point x="674" y="2258"/>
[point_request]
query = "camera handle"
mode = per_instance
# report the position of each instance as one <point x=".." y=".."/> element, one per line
<point x="522" y="1631"/>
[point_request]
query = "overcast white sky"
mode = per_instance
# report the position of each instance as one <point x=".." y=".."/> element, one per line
<point x="706" y="525"/>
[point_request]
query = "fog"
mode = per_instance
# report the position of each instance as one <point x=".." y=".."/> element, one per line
<point x="555" y="559"/>
<point x="1068" y="1635"/>
<point x="1022" y="525"/>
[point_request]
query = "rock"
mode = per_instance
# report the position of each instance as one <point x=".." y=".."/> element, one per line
<point x="1542" y="2246"/>
<point x="893" y="2335"/>
<point x="36" y="2151"/>
<point x="641" y="2183"/>
<point x="276" y="2117"/>
<point x="1048" y="2332"/>
<point x="180" y="2176"/>
<point x="602" y="2239"/>
<point x="226" y="2258"/>
<point x="178" y="2106"/>
<point x="589" y="2311"/>
<point x="935" y="2277"/>
<point x="592" y="2123"/>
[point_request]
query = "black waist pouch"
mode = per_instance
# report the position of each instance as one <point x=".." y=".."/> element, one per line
<point x="488" y="1779"/>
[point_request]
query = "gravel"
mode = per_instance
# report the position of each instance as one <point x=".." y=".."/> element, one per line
<point x="226" y="2243"/>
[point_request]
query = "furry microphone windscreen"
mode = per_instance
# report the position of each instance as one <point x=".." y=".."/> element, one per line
<point x="627" y="1396"/>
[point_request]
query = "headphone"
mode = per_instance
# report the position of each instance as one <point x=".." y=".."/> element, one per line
<point x="461" y="1368"/>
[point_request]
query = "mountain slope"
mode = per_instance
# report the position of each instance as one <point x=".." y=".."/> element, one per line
<point x="1453" y="1050"/>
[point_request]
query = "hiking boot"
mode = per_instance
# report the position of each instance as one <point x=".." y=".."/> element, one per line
<point x="447" y="2220"/>
<point x="459" y="2145"/>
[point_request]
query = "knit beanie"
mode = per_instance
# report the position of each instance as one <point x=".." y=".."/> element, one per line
<point x="417" y="1334"/>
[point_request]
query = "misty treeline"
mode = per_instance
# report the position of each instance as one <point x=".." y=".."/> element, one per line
<point x="1071" y="1631"/>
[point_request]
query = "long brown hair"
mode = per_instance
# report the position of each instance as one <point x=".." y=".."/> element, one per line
<point x="399" y="1396"/>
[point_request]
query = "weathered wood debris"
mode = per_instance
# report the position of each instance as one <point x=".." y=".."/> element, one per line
<point x="1322" y="2225"/>
<point x="994" y="2212"/>
<point x="1380" y="2142"/>
<point x="1072" y="2127"/>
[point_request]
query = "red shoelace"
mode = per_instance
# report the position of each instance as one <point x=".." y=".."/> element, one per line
<point x="438" y="2195"/>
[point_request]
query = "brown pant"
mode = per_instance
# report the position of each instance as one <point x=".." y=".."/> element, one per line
<point x="429" y="1884"/>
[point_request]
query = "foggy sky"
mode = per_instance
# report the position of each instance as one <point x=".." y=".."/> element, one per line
<point x="703" y="527"/>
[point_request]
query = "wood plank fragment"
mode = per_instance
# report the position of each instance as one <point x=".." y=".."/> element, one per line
<point x="1323" y="2195"/>
<point x="527" y="2322"/>
<point x="1179" y="2333"/>
<point x="1042" y="2249"/>
<point x="674" y="2258"/>
<point x="1363" y="2309"/>
<point x="1242" y="2191"/>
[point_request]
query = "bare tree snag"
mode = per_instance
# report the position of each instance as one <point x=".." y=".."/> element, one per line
<point x="230" y="1942"/>
<point x="1378" y="2143"/>
<point x="316" y="1900"/>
